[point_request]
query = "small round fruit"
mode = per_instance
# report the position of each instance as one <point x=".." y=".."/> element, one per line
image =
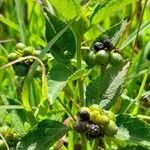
<point x="27" y="51"/>
<point x="20" y="46"/>
<point x="111" y="116"/>
<point x="84" y="113"/>
<point x="2" y="145"/>
<point x="90" y="59"/>
<point x="96" y="107"/>
<point x="20" y="69"/>
<point x="94" y="129"/>
<point x="102" y="120"/>
<point x="116" y="59"/>
<point x="93" y="116"/>
<point x="111" y="129"/>
<point x="36" y="53"/>
<point x="12" y="56"/>
<point x="102" y="57"/>
<point x="108" y="45"/>
<point x="81" y="126"/>
<point x="98" y="46"/>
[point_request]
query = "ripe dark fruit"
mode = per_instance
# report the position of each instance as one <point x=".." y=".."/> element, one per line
<point x="2" y="145"/>
<point x="12" y="56"/>
<point x="116" y="59"/>
<point x="102" y="57"/>
<point x="81" y="126"/>
<point x="20" y="69"/>
<point x="107" y="44"/>
<point x="98" y="46"/>
<point x="90" y="59"/>
<point x="94" y="129"/>
<point x="20" y="46"/>
<point x="111" y="129"/>
<point x="84" y="114"/>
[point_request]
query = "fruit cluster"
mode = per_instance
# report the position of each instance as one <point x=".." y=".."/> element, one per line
<point x="10" y="137"/>
<point x="103" y="53"/>
<point x="95" y="122"/>
<point x="21" y="50"/>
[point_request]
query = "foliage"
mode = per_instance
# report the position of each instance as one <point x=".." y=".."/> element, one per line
<point x="56" y="82"/>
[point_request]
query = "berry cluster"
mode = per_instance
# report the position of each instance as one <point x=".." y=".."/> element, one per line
<point x="21" y="50"/>
<point x="10" y="137"/>
<point x="95" y="122"/>
<point x="103" y="53"/>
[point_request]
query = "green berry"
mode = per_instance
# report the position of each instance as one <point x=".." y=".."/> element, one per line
<point x="111" y="116"/>
<point x="93" y="116"/>
<point x="102" y="120"/>
<point x="102" y="57"/>
<point x="111" y="129"/>
<point x="116" y="59"/>
<point x="27" y="51"/>
<point x="12" y="56"/>
<point x="36" y="53"/>
<point x="20" y="46"/>
<point x="95" y="107"/>
<point x="90" y="59"/>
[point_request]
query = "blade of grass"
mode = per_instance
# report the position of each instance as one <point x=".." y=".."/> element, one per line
<point x="20" y="20"/>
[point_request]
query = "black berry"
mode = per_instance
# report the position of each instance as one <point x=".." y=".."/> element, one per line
<point x="94" y="129"/>
<point x="107" y="44"/>
<point x="98" y="46"/>
<point x="84" y="115"/>
<point x="89" y="136"/>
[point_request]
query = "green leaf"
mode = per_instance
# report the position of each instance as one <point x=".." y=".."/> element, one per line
<point x="106" y="88"/>
<point x="78" y="74"/>
<point x="113" y="33"/>
<point x="68" y="9"/>
<point x="54" y="89"/>
<point x="109" y="10"/>
<point x="43" y="135"/>
<point x="64" y="48"/>
<point x="60" y="72"/>
<point x="132" y="129"/>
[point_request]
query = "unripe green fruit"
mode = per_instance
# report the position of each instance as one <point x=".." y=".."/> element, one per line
<point x="111" y="116"/>
<point x="93" y="116"/>
<point x="84" y="113"/>
<point x="111" y="129"/>
<point x="102" y="57"/>
<point x="27" y="51"/>
<point x="20" y="69"/>
<point x="95" y="107"/>
<point x="90" y="59"/>
<point x="20" y="46"/>
<point x="2" y="145"/>
<point x="12" y="56"/>
<point x="102" y="120"/>
<point x="116" y="59"/>
<point x="36" y="53"/>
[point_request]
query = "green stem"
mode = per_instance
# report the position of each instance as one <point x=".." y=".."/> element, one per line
<point x="67" y="109"/>
<point x="140" y="22"/>
<point x="138" y="98"/>
<point x="96" y="144"/>
<point x="84" y="142"/>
